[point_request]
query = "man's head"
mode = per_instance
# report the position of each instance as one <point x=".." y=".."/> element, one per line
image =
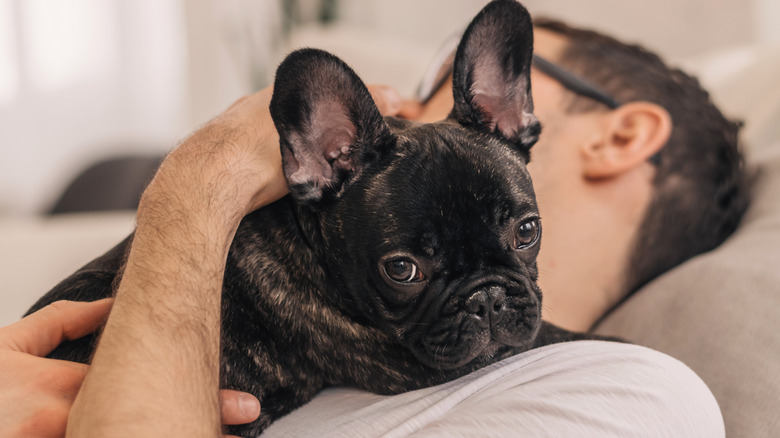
<point x="700" y="188"/>
<point x="625" y="193"/>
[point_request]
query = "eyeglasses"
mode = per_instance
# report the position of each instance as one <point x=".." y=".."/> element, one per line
<point x="441" y="69"/>
<point x="573" y="83"/>
<point x="583" y="88"/>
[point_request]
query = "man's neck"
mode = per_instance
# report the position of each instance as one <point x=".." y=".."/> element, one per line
<point x="582" y="266"/>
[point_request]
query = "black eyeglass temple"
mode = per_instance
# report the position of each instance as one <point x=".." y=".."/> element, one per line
<point x="574" y="83"/>
<point x="581" y="87"/>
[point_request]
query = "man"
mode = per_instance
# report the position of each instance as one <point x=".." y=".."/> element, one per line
<point x="633" y="176"/>
<point x="623" y="191"/>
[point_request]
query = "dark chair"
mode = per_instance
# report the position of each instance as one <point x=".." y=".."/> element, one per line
<point x="112" y="184"/>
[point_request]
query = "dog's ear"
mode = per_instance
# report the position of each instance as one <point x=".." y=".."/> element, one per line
<point x="329" y="127"/>
<point x="491" y="75"/>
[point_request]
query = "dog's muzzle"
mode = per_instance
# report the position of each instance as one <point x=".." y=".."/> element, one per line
<point x="509" y="311"/>
<point x="481" y="316"/>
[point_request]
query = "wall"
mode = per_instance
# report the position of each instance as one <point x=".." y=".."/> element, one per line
<point x="93" y="78"/>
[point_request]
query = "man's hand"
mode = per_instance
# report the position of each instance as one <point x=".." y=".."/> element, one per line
<point x="232" y="165"/>
<point x="155" y="371"/>
<point x="36" y="393"/>
<point x="239" y="151"/>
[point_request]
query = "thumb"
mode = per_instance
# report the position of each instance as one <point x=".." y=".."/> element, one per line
<point x="41" y="332"/>
<point x="238" y="407"/>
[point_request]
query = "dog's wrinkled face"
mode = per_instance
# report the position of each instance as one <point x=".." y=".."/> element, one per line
<point x="432" y="230"/>
<point x="442" y="250"/>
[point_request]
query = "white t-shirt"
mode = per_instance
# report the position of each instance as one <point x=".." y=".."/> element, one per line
<point x="574" y="389"/>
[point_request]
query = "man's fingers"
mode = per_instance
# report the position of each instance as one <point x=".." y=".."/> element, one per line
<point x="387" y="99"/>
<point x="238" y="407"/>
<point x="40" y="333"/>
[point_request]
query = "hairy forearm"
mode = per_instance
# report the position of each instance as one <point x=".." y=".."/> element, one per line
<point x="156" y="370"/>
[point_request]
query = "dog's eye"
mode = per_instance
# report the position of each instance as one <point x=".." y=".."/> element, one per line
<point x="526" y="234"/>
<point x="403" y="270"/>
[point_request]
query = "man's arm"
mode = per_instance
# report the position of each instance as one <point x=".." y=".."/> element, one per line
<point x="156" y="369"/>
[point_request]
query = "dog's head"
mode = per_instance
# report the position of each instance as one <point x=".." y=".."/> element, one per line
<point x="432" y="229"/>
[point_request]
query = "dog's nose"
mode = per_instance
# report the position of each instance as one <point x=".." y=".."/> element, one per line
<point x="486" y="301"/>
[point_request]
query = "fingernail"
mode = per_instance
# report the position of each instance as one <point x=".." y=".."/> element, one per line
<point x="392" y="99"/>
<point x="249" y="406"/>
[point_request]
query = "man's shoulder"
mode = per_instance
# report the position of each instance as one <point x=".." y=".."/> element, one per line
<point x="582" y="388"/>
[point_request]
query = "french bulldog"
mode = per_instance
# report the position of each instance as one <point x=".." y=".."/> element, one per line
<point x="405" y="254"/>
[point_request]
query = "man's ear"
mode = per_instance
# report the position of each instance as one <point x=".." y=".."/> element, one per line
<point x="630" y="135"/>
<point x="492" y="75"/>
<point x="329" y="127"/>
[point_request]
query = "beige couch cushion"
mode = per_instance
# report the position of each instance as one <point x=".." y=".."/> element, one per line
<point x="37" y="253"/>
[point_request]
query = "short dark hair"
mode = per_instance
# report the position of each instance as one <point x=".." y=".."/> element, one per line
<point x="701" y="186"/>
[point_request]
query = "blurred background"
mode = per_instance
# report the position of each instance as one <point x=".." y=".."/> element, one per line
<point x="84" y="80"/>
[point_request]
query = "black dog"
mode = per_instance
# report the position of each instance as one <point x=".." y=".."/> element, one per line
<point x="405" y="255"/>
